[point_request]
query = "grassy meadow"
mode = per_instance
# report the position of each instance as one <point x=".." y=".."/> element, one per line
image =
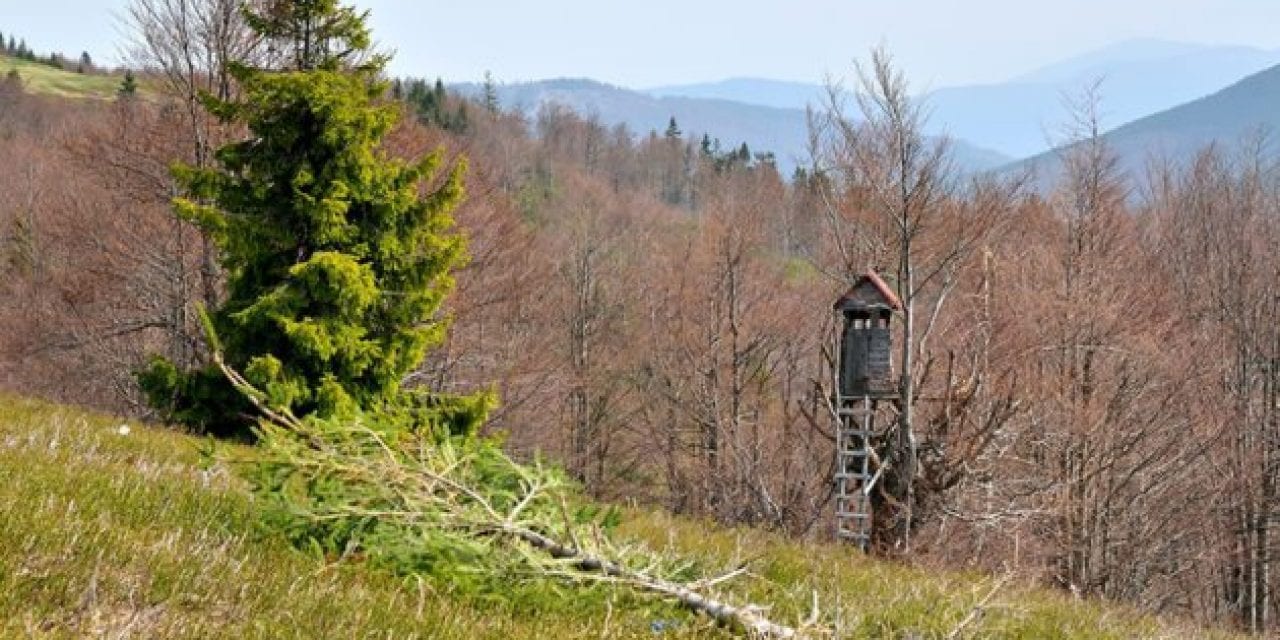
<point x="114" y="529"/>
<point x="44" y="79"/>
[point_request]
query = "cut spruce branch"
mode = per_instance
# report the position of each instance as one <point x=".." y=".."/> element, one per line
<point x="748" y="617"/>
<point x="470" y="497"/>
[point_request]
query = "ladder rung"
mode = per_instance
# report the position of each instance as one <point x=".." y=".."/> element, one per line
<point x="856" y="416"/>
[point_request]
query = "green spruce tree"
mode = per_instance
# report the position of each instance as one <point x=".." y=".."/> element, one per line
<point x="336" y="262"/>
<point x="673" y="129"/>
<point x="128" y="86"/>
<point x="460" y="121"/>
<point x="489" y="96"/>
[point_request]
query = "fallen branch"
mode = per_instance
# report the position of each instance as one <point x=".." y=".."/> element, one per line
<point x="978" y="609"/>
<point x="423" y="486"/>
<point x="746" y="617"/>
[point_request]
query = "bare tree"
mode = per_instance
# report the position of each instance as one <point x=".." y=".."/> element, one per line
<point x="589" y="266"/>
<point x="1221" y="224"/>
<point x="191" y="45"/>
<point x="896" y="204"/>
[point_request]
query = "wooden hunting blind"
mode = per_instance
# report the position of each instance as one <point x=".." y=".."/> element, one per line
<point x="863" y="376"/>
<point x="864" y="342"/>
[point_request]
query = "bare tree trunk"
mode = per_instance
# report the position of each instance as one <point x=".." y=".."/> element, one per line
<point x="192" y="45"/>
<point x="905" y="453"/>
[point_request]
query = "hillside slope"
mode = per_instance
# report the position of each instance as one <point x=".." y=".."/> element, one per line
<point x="1022" y="116"/>
<point x="780" y="94"/>
<point x="764" y="128"/>
<point x="42" y="78"/>
<point x="116" y="530"/>
<point x="1226" y="118"/>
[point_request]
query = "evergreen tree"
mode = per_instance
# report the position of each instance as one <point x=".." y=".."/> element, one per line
<point x="490" y="93"/>
<point x="432" y="106"/>
<point x="128" y="86"/>
<point x="336" y="264"/>
<point x="86" y="63"/>
<point x="417" y="93"/>
<point x="318" y="35"/>
<point x="673" y="130"/>
<point x="440" y="94"/>
<point x="423" y="102"/>
<point x="460" y="119"/>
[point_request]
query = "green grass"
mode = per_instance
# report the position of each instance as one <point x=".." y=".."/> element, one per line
<point x="44" y="79"/>
<point x="125" y="535"/>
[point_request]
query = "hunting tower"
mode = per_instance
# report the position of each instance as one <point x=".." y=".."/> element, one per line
<point x="863" y="379"/>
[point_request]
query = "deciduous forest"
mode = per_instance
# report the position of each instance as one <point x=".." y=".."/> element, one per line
<point x="1089" y="363"/>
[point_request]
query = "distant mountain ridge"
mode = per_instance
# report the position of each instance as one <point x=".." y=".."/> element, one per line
<point x="780" y="94"/>
<point x="1226" y="118"/>
<point x="1136" y="52"/>
<point x="1022" y="117"/>
<point x="1158" y="96"/>
<point x="784" y="132"/>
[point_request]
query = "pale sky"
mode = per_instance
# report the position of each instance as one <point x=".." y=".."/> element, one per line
<point x="639" y="44"/>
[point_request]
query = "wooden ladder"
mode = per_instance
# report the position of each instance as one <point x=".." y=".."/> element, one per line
<point x="853" y="471"/>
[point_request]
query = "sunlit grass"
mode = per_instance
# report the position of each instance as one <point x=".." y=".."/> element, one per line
<point x="107" y="533"/>
<point x="44" y="79"/>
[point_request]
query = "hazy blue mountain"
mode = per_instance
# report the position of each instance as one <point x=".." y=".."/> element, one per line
<point x="781" y="131"/>
<point x="781" y="94"/>
<point x="1142" y="77"/>
<point x="1023" y="116"/>
<point x="1100" y="61"/>
<point x="1228" y="118"/>
<point x="1014" y="119"/>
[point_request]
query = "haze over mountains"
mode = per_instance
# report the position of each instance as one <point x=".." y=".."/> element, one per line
<point x="761" y="127"/>
<point x="782" y="131"/>
<point x="1137" y="78"/>
<point x="1230" y="118"/>
<point x="992" y="125"/>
